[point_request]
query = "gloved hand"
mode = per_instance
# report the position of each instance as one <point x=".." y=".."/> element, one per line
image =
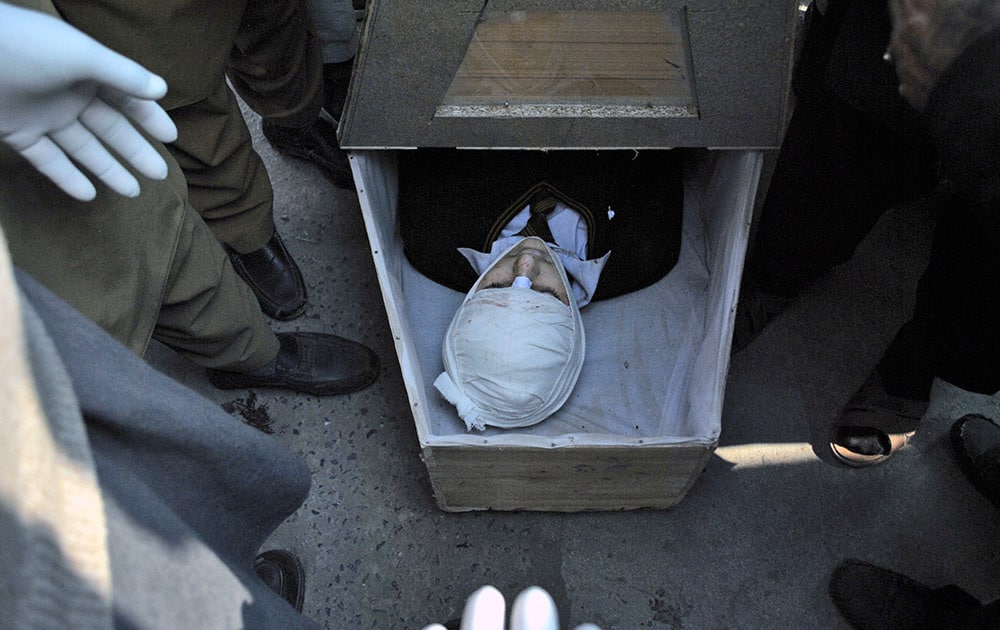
<point x="64" y="95"/>
<point x="927" y="35"/>
<point x="533" y="610"/>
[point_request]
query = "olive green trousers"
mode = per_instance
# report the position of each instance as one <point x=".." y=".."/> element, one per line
<point x="141" y="268"/>
<point x="271" y="56"/>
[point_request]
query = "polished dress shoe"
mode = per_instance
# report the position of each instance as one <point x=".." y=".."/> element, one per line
<point x="316" y="142"/>
<point x="274" y="277"/>
<point x="310" y="363"/>
<point x="874" y="424"/>
<point x="873" y="598"/>
<point x="283" y="574"/>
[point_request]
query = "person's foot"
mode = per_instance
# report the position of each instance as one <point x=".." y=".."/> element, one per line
<point x="316" y="142"/>
<point x="976" y="442"/>
<point x="874" y="424"/>
<point x="274" y="277"/>
<point x="872" y="598"/>
<point x="283" y="574"/>
<point x="310" y="363"/>
<point x="754" y="311"/>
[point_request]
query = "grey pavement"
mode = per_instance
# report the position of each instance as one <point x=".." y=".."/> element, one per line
<point x="751" y="546"/>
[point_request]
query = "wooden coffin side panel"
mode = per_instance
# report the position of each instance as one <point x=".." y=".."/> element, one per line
<point x="563" y="480"/>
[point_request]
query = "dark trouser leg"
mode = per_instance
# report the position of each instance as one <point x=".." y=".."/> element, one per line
<point x="836" y="174"/>
<point x="109" y="258"/>
<point x="227" y="182"/>
<point x="230" y="188"/>
<point x="838" y="169"/>
<point x="276" y="65"/>
<point x="954" y="333"/>
<point x="209" y="315"/>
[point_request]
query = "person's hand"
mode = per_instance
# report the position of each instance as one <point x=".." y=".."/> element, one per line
<point x="928" y="35"/>
<point x="64" y="95"/>
<point x="533" y="610"/>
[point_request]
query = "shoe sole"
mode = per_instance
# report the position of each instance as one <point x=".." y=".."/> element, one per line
<point x="228" y="380"/>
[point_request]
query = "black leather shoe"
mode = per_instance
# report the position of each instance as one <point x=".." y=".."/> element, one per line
<point x="870" y="597"/>
<point x="283" y="574"/>
<point x="310" y="363"/>
<point x="874" y="425"/>
<point x="274" y="277"/>
<point x="317" y="143"/>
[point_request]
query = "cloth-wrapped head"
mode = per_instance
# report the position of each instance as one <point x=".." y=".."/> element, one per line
<point x="511" y="354"/>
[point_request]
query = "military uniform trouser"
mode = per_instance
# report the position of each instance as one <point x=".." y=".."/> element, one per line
<point x="146" y="267"/>
<point x="276" y="66"/>
<point x="273" y="60"/>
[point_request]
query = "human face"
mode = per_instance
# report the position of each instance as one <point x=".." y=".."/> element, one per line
<point x="529" y="258"/>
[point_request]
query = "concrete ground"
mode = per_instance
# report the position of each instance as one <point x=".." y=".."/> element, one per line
<point x="751" y="546"/>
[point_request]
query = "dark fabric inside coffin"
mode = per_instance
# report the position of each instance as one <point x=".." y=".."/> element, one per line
<point x="450" y="198"/>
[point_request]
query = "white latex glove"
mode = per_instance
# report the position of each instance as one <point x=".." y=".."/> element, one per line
<point x="63" y="95"/>
<point x="533" y="610"/>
